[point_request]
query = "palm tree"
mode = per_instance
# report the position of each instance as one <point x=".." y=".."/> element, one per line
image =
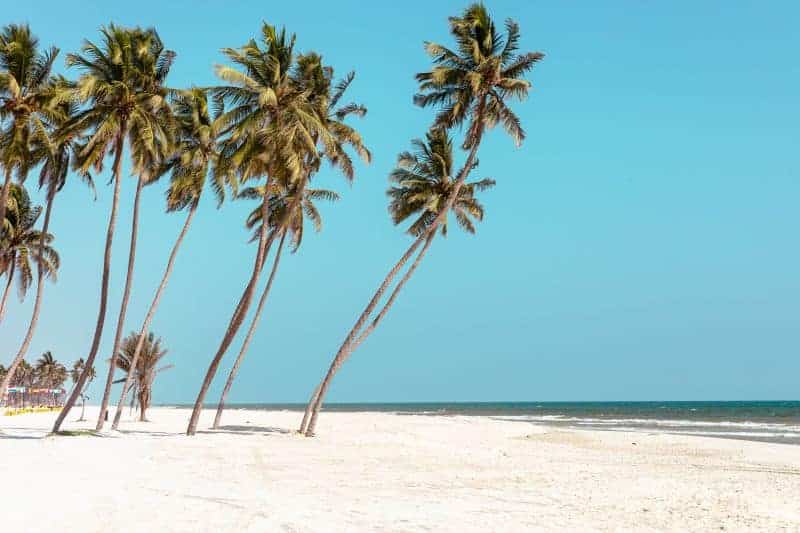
<point x="50" y="373"/>
<point x="469" y="86"/>
<point x="56" y="156"/>
<point x="272" y="124"/>
<point x="289" y="207"/>
<point x="196" y="153"/>
<point x="121" y="87"/>
<point x="25" y="102"/>
<point x="78" y="368"/>
<point x="152" y="143"/>
<point x="144" y="372"/>
<point x="22" y="244"/>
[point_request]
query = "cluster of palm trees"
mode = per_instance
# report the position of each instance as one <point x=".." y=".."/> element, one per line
<point x="39" y="380"/>
<point x="262" y="134"/>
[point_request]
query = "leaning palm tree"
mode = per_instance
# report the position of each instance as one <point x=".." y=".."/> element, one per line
<point x="152" y="143"/>
<point x="144" y="372"/>
<point x="273" y="124"/>
<point x="25" y="103"/>
<point x="470" y="86"/>
<point x="75" y="373"/>
<point x="121" y="89"/>
<point x="197" y="150"/>
<point x="56" y="156"/>
<point x="20" y="245"/>
<point x="288" y="212"/>
<point x="289" y="207"/>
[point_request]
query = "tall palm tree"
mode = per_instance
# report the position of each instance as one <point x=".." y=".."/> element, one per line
<point x="75" y="373"/>
<point x="144" y="372"/>
<point x="469" y="86"/>
<point x="197" y="151"/>
<point x="152" y="143"/>
<point x="289" y="207"/>
<point x="20" y="245"/>
<point x="55" y="156"/>
<point x="272" y="124"/>
<point x="121" y="89"/>
<point x="25" y="103"/>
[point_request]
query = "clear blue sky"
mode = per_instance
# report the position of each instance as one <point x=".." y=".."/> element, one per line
<point x="642" y="244"/>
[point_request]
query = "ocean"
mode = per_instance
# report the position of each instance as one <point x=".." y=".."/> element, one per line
<point x="773" y="421"/>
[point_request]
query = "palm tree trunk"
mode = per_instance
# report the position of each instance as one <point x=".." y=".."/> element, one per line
<point x="249" y="337"/>
<point x="11" y="271"/>
<point x="4" y="199"/>
<point x="348" y="346"/>
<point x="323" y="387"/>
<point x="151" y="313"/>
<point x="237" y="318"/>
<point x="126" y="294"/>
<point x="83" y="408"/>
<point x="37" y="304"/>
<point x="101" y="314"/>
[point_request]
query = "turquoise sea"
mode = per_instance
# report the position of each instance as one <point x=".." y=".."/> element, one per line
<point x="774" y="421"/>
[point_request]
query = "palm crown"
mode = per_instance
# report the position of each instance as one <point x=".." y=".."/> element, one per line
<point x="196" y="149"/>
<point x="122" y="84"/>
<point x="424" y="183"/>
<point x="21" y="242"/>
<point x="474" y="82"/>
<point x="26" y="97"/>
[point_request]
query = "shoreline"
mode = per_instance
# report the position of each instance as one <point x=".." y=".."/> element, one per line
<point x="373" y="471"/>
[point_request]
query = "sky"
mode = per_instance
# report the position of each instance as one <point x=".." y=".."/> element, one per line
<point x="642" y="244"/>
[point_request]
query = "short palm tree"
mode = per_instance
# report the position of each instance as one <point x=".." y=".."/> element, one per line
<point x="75" y="373"/>
<point x="26" y="98"/>
<point x="272" y="126"/>
<point x="121" y="89"/>
<point x="293" y="202"/>
<point x="469" y="86"/>
<point x="197" y="151"/>
<point x="145" y="370"/>
<point x="51" y="374"/>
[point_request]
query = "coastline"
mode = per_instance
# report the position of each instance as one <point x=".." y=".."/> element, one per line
<point x="377" y="470"/>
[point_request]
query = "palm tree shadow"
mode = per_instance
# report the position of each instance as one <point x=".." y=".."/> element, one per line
<point x="247" y="430"/>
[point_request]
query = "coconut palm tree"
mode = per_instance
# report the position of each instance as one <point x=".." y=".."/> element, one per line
<point x="75" y="373"/>
<point x="144" y="372"/>
<point x="55" y="156"/>
<point x="20" y="245"/>
<point x="26" y="97"/>
<point x="152" y="142"/>
<point x="272" y="125"/>
<point x="289" y="207"/>
<point x="124" y="100"/>
<point x="470" y="86"/>
<point x="197" y="151"/>
<point x="50" y="374"/>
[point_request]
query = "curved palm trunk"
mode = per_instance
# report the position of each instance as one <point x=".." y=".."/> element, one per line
<point x="11" y="272"/>
<point x="249" y="337"/>
<point x="126" y="294"/>
<point x="236" y="320"/>
<point x="37" y="304"/>
<point x="101" y="314"/>
<point x="151" y="313"/>
<point x="351" y="341"/>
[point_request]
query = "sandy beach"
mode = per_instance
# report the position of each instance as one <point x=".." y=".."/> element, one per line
<point x="386" y="472"/>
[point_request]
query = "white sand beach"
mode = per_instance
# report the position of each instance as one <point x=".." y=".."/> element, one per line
<point x="386" y="472"/>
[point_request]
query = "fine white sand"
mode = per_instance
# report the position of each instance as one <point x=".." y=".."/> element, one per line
<point x="386" y="472"/>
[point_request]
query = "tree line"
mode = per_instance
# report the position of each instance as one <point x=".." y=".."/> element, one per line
<point x="262" y="134"/>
